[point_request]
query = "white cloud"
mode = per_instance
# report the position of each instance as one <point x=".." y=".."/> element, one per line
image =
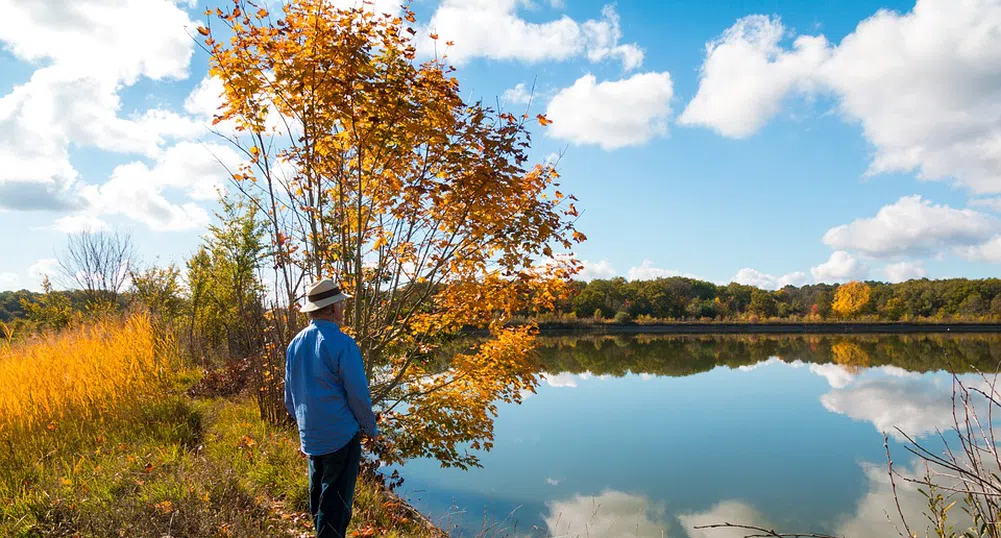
<point x="731" y="511"/>
<point x="916" y="406"/>
<point x="492" y="29"/>
<point x="840" y="267"/>
<point x="136" y="190"/>
<point x="79" y="223"/>
<point x="596" y="270"/>
<point x="8" y="281"/>
<point x="552" y="482"/>
<point x="46" y="267"/>
<point x="989" y="251"/>
<point x="922" y="85"/>
<point x="903" y="271"/>
<point x="647" y="271"/>
<point x="752" y="277"/>
<point x="747" y="74"/>
<point x="562" y="379"/>
<point x="518" y="95"/>
<point x="89" y="52"/>
<point x="612" y="114"/>
<point x="913" y="225"/>
<point x="612" y="514"/>
<point x="109" y="39"/>
<point x="992" y="203"/>
<point x="837" y="376"/>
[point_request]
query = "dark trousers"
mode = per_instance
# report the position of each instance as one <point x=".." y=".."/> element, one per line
<point x="332" y="489"/>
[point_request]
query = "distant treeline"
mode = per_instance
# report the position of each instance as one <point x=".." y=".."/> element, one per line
<point x="679" y="298"/>
<point x="686" y="299"/>
<point x="12" y="302"/>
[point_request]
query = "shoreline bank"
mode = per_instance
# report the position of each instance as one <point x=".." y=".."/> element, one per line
<point x="559" y="329"/>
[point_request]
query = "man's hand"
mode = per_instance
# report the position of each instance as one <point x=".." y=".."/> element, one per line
<point x="370" y="443"/>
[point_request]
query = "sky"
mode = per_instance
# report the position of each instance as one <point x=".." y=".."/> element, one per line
<point x="767" y="142"/>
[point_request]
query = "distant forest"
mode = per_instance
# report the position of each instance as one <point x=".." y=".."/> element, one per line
<point x="686" y="299"/>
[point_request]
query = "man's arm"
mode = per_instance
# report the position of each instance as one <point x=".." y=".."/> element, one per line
<point x="289" y="404"/>
<point x="352" y="371"/>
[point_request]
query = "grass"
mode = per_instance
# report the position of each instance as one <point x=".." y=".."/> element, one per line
<point x="99" y="438"/>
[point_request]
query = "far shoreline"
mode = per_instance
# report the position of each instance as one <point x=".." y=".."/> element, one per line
<point x="550" y="328"/>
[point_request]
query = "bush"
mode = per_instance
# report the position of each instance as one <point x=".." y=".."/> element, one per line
<point x="622" y="317"/>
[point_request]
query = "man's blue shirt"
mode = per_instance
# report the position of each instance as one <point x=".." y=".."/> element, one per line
<point x="326" y="389"/>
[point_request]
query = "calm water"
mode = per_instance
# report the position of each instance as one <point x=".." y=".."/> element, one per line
<point x="648" y="436"/>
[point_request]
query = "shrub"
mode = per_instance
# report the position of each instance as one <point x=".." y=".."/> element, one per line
<point x="622" y="317"/>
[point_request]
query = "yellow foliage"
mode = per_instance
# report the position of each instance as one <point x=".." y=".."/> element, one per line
<point x="84" y="371"/>
<point x="850" y="356"/>
<point x="851" y="298"/>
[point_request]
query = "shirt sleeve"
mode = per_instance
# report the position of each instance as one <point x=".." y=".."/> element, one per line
<point x="352" y="371"/>
<point x="289" y="404"/>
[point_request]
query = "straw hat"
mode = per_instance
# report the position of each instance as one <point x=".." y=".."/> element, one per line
<point x="323" y="294"/>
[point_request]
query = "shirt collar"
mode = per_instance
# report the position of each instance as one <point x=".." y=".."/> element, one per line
<point x="324" y="323"/>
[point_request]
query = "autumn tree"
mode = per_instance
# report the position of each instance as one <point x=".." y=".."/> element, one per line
<point x="851" y="298"/>
<point x="224" y="286"/>
<point x="370" y="166"/>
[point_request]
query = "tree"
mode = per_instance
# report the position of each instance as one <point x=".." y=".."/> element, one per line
<point x="98" y="262"/>
<point x="762" y="304"/>
<point x="851" y="298"/>
<point x="159" y="289"/>
<point x="371" y="167"/>
<point x="53" y="310"/>
<point x="224" y="288"/>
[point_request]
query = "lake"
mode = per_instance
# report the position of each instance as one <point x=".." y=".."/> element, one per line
<point x="648" y="436"/>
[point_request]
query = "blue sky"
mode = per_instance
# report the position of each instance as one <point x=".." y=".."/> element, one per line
<point x="767" y="142"/>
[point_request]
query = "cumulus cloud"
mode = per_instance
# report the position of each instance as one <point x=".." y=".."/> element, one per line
<point x="493" y="29"/>
<point x="612" y="514"/>
<point x="903" y="271"/>
<point x="746" y="75"/>
<point x="647" y="271"/>
<point x="612" y="114"/>
<point x="109" y="39"/>
<point x="837" y="376"/>
<point x="922" y="85"/>
<point x="562" y="379"/>
<point x="727" y="511"/>
<point x="595" y="270"/>
<point x="46" y="267"/>
<point x="913" y="226"/>
<point x="137" y="190"/>
<point x="89" y="53"/>
<point x="79" y="223"/>
<point x="916" y="406"/>
<point x="753" y="277"/>
<point x="840" y="267"/>
<point x="989" y="251"/>
<point x="518" y="95"/>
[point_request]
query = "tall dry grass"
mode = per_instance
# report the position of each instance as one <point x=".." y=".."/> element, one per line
<point x="84" y="372"/>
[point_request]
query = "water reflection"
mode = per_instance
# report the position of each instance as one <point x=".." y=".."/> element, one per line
<point x="611" y="514"/>
<point x="650" y="436"/>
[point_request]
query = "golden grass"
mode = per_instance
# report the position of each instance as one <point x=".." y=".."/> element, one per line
<point x="84" y="371"/>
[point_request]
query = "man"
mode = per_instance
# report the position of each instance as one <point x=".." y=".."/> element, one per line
<point x="327" y="393"/>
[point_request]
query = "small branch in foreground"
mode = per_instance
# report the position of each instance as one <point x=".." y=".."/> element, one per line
<point x="761" y="532"/>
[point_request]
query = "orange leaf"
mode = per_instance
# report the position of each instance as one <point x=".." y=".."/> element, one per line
<point x="543" y="120"/>
<point x="203" y="30"/>
<point x="434" y="36"/>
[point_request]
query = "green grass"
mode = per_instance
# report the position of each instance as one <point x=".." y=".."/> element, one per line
<point x="175" y="466"/>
